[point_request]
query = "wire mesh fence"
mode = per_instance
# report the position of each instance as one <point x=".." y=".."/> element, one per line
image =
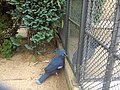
<point x="74" y="21"/>
<point x="93" y="43"/>
<point x="72" y="27"/>
<point x="101" y="33"/>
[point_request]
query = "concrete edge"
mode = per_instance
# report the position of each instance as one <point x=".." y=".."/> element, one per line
<point x="69" y="75"/>
<point x="70" y="78"/>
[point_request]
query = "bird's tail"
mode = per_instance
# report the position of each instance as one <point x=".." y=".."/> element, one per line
<point x="42" y="78"/>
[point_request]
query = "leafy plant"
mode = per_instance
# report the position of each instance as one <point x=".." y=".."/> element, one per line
<point x="5" y="23"/>
<point x="41" y="17"/>
<point x="15" y="41"/>
<point x="9" y="42"/>
<point x="10" y="45"/>
<point x="6" y="49"/>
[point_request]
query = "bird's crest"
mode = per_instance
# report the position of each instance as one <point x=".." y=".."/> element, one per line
<point x="60" y="52"/>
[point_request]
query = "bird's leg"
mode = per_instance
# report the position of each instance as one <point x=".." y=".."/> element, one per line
<point x="57" y="74"/>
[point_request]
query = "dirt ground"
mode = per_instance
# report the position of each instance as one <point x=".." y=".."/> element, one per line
<point x="21" y="71"/>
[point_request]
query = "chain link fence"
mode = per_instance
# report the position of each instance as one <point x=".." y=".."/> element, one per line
<point x="92" y="42"/>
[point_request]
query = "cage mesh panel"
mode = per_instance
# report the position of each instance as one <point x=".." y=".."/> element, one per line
<point x="101" y="20"/>
<point x="73" y="40"/>
<point x="101" y="44"/>
<point x="75" y="10"/>
<point x="74" y="28"/>
<point x="99" y="30"/>
<point x="115" y="80"/>
<point x="94" y="67"/>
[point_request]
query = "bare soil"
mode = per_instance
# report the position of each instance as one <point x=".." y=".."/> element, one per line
<point x="21" y="71"/>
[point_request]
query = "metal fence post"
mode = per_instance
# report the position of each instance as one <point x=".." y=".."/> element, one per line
<point x="67" y="25"/>
<point x="81" y="39"/>
<point x="111" y="59"/>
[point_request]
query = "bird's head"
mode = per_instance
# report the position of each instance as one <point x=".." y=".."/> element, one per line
<point x="60" y="52"/>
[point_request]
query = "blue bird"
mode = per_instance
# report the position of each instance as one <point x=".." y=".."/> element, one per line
<point x="4" y="87"/>
<point x="53" y="67"/>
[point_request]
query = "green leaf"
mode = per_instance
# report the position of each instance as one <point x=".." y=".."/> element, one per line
<point x="58" y="2"/>
<point x="19" y="36"/>
<point x="34" y="59"/>
<point x="29" y="47"/>
<point x="15" y="41"/>
<point x="6" y="49"/>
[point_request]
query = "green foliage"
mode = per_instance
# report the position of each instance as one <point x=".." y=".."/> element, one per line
<point x="16" y="40"/>
<point x="10" y="45"/>
<point x="42" y="36"/>
<point x="41" y="17"/>
<point x="8" y="30"/>
<point x="4" y="25"/>
<point x="34" y="59"/>
<point x="6" y="49"/>
<point x="30" y="47"/>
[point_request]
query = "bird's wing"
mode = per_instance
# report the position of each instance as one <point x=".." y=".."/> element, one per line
<point x="51" y="68"/>
<point x="54" y="65"/>
<point x="59" y="67"/>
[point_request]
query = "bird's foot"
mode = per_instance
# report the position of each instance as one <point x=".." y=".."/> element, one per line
<point x="56" y="74"/>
